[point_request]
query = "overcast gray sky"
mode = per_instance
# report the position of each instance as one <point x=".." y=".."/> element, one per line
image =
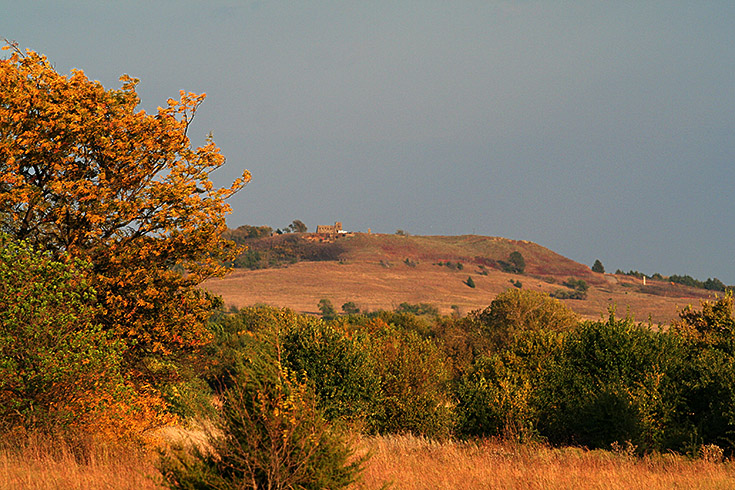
<point x="597" y="129"/>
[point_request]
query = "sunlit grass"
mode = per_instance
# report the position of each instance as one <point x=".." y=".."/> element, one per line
<point x="403" y="462"/>
<point x="413" y="463"/>
<point x="36" y="463"/>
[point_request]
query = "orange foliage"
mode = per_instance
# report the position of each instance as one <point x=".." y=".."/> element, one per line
<point x="84" y="172"/>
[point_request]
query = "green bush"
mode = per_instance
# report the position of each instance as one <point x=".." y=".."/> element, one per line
<point x="58" y="369"/>
<point x="598" y="267"/>
<point x="516" y="311"/>
<point x="418" y="309"/>
<point x="351" y="308"/>
<point x="499" y="395"/>
<point x="338" y="367"/>
<point x="415" y="375"/>
<point x="327" y="309"/>
<point x="269" y="434"/>
<point x="612" y="383"/>
<point x="707" y="377"/>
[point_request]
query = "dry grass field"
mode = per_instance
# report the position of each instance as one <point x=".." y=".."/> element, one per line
<point x="401" y="463"/>
<point x="373" y="274"/>
<point x="410" y="463"/>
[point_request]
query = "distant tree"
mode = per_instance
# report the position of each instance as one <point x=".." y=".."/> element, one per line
<point x="297" y="226"/>
<point x="516" y="258"/>
<point x="350" y="308"/>
<point x="470" y="282"/>
<point x="418" y="309"/>
<point x="516" y="311"/>
<point x="327" y="309"/>
<point x="714" y="284"/>
<point x="598" y="267"/>
<point x="400" y="232"/>
<point x="242" y="233"/>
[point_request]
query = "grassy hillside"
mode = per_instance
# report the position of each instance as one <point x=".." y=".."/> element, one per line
<point x="379" y="271"/>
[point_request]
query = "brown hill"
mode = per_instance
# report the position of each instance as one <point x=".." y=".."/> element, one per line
<point x="381" y="271"/>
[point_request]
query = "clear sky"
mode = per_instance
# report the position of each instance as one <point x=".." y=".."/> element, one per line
<point x="600" y="129"/>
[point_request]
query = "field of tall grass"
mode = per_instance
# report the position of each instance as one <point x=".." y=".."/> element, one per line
<point x="401" y="462"/>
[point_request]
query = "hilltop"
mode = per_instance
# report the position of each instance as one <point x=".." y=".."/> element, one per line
<point x="379" y="271"/>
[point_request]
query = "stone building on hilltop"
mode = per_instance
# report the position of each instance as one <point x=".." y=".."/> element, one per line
<point x="329" y="229"/>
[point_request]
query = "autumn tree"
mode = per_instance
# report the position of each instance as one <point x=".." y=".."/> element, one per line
<point x="85" y="174"/>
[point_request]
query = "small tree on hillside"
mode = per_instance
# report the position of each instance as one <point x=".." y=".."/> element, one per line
<point x="351" y="308"/>
<point x="516" y="263"/>
<point x="297" y="226"/>
<point x="598" y="267"/>
<point x="327" y="309"/>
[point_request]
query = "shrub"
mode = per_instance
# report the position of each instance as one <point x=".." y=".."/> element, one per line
<point x="337" y="365"/>
<point x="516" y="311"/>
<point x="414" y="374"/>
<point x="470" y="282"/>
<point x="350" y="308"/>
<point x="418" y="309"/>
<point x="270" y="434"/>
<point x="499" y="395"/>
<point x="58" y="369"/>
<point x="612" y="382"/>
<point x="339" y="368"/>
<point x="327" y="309"/>
<point x="598" y="267"/>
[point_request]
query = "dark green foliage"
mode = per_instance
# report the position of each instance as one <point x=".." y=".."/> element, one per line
<point x="598" y="267"/>
<point x="637" y="274"/>
<point x="338" y="367"/>
<point x="576" y="284"/>
<point x="418" y="309"/>
<point x="611" y="383"/>
<point x="269" y="434"/>
<point x="350" y="308"/>
<point x="499" y="395"/>
<point x="578" y="290"/>
<point x="327" y="309"/>
<point x="708" y="374"/>
<point x="250" y="259"/>
<point x="409" y="262"/>
<point x="281" y="249"/>
<point x="297" y="226"/>
<point x="517" y="284"/>
<point x="241" y="234"/>
<point x="457" y="266"/>
<point x="516" y="264"/>
<point x="470" y="282"/>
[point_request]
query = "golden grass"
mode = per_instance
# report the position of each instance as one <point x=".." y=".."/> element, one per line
<point x="402" y="462"/>
<point x="35" y="464"/>
<point x="412" y="463"/>
<point x="300" y="287"/>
